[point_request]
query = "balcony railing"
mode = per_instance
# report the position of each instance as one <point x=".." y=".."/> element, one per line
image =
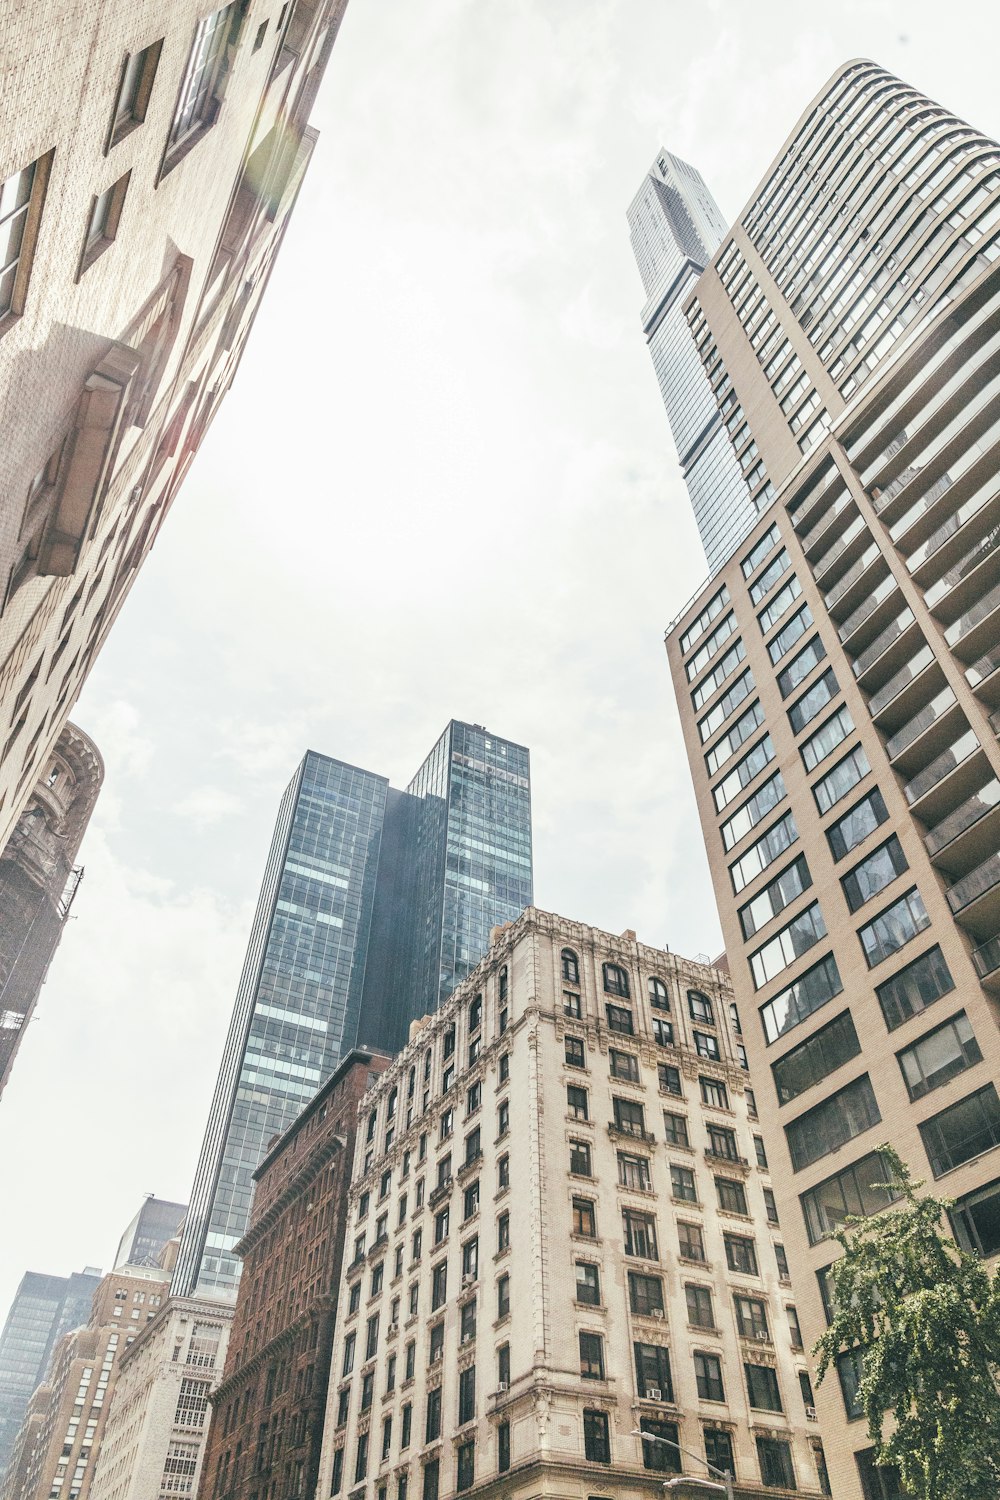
<point x="978" y="882"/>
<point x="941" y="766"/>
<point x="838" y="548"/>
<point x="983" y="668"/>
<point x="850" y="578"/>
<point x="827" y="519"/>
<point x="729" y="1159"/>
<point x="440" y="1193"/>
<point x="630" y="1133"/>
<point x="980" y="611"/>
<point x="964" y="816"/>
<point x="883" y="641"/>
<point x="975" y="555"/>
<point x="915" y="727"/>
<point x="987" y="957"/>
<point x="900" y="680"/>
<point x="878" y="596"/>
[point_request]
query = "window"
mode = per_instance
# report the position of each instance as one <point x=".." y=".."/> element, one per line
<point x="775" y="1458"/>
<point x="706" y="1045"/>
<point x="765" y="583"/>
<point x="741" y="1254"/>
<point x="591" y="1356"/>
<point x="447" y="1124"/>
<point x="708" y="1377"/>
<point x="620" y="1020"/>
<point x="571" y="1005"/>
<point x="700" y="1007"/>
<point x="719" y="1450"/>
<point x="437" y="1342"/>
<point x="473" y="1146"/>
<point x="731" y="1195"/>
<point x="829" y="1125"/>
<point x="439" y="1285"/>
<point x="850" y="1373"/>
<point x="807" y="994"/>
<point x="663" y="1032"/>
<point x="503" y="1297"/>
<point x="682" y="1185"/>
<point x="441" y="1225"/>
<point x="470" y="1200"/>
<point x="724" y="669"/>
<point x="432" y="1472"/>
<point x="503" y="1232"/>
<point x="596" y="1438"/>
<point x="574" y="1052"/>
<point x="411" y="1363"/>
<point x="503" y="1118"/>
<point x="691" y="1241"/>
<point x="576" y="1101"/>
<point x="102" y="224"/>
<point x="624" y="1065"/>
<point x="826" y="739"/>
<point x="788" y="945"/>
<point x="813" y="701"/>
<point x="616" y="981"/>
<point x="753" y="811"/>
<point x="659" y="997"/>
<point x="696" y="630"/>
<point x="759" y="551"/>
<point x="504" y="1067"/>
<point x="201" y="88"/>
<point x="503" y="1447"/>
<point x="466" y="1466"/>
<point x="570" y="966"/>
<point x="476" y="1008"/>
<point x="962" y="1131"/>
<point x="503" y="1365"/>
<point x="915" y="987"/>
<point x="824" y="1052"/>
<point x="629" y="1118"/>
<point x="361" y="1458"/>
<point x="760" y="1153"/>
<point x="503" y="1173"/>
<point x="432" y="1428"/>
<point x="584" y="1222"/>
<point x="762" y="1387"/>
<point x="371" y="1337"/>
<point x="20" y="194"/>
<point x="588" y="1284"/>
<point x="782" y="642"/>
<point x="663" y="1455"/>
<point x="473" y="1098"/>
<point x="795" y="1331"/>
<point x="800" y="666"/>
<point x="939" y="1056"/>
<point x="776" y="895"/>
<point x="579" y="1158"/>
<point x="842" y="779"/>
<point x="878" y="1481"/>
<point x="640" y="1234"/>
<point x="975" y="1220"/>
<point x="893" y="928"/>
<point x="751" y="1318"/>
<point x="669" y="1079"/>
<point x="633" y="1172"/>
<point x="348" y="1365"/>
<point x="467" y="1395"/>
<point x="676" y="1129"/>
<point x="645" y="1294"/>
<point x="134" y="90"/>
<point x="470" y="1259"/>
<point x="826" y="1206"/>
<point x="722" y="1142"/>
<point x="779" y="605"/>
<point x="700" y="1311"/>
<point x="724" y="749"/>
<point x="652" y="1372"/>
<point x="714" y="1093"/>
<point x="769" y="847"/>
<point x="875" y="872"/>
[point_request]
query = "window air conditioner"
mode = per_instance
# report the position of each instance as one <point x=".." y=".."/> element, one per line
<point x="657" y="1312"/>
<point x="501" y="1387"/>
<point x="811" y="1413"/>
<point x="652" y="1393"/>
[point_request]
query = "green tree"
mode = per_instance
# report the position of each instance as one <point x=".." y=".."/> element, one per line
<point x="924" y="1317"/>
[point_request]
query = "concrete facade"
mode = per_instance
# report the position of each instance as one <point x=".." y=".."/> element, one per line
<point x="38" y="880"/>
<point x="838" y="679"/>
<point x="152" y="1446"/>
<point x="151" y="156"/>
<point x="561" y="1233"/>
<point x="267" y="1423"/>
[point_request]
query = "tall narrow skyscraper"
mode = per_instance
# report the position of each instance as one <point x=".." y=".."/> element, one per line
<point x="676" y="226"/>
<point x="839" y="679"/>
<point x="374" y="904"/>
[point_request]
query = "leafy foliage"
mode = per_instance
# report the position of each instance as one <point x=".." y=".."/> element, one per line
<point x="925" y="1317"/>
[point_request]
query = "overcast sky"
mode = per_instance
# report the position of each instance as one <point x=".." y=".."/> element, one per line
<point x="442" y="486"/>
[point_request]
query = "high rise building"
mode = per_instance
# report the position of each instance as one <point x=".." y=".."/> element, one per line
<point x="676" y="227"/>
<point x="374" y="903"/>
<point x="44" y="1309"/>
<point x="61" y="1434"/>
<point x="564" y="1253"/>
<point x="148" y="167"/>
<point x="38" y="880"/>
<point x="272" y="1398"/>
<point x="147" y="1236"/>
<point x="839" y="679"/>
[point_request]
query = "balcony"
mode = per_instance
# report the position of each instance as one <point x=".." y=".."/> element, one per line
<point x="857" y="581"/>
<point x="470" y="1162"/>
<point x="922" y="732"/>
<point x="968" y="579"/>
<point x="881" y="646"/>
<point x="845" y="551"/>
<point x="913" y="674"/>
<point x="987" y="961"/>
<point x="440" y="1193"/>
<point x="968" y="834"/>
<point x="951" y="777"/>
<point x="976" y="630"/>
<point x="871" y="615"/>
<point x="984" y="677"/>
<point x="724" y="1159"/>
<point x="823" y="528"/>
<point x="975" y="899"/>
<point x="630" y="1133"/>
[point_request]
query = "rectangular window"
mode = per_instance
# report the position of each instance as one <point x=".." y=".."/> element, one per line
<point x="640" y="1234"/>
<point x="576" y="1102"/>
<point x="879" y="1481"/>
<point x="503" y="1296"/>
<point x="201" y="87"/>
<point x="503" y="1447"/>
<point x="633" y="1172"/>
<point x="730" y="701"/>
<point x="432" y="1475"/>
<point x="690" y="1239"/>
<point x="824" y="1052"/>
<point x="765" y="583"/>
<point x="741" y="1254"/>
<point x="466" y="1466"/>
<point x="710" y="685"/>
<point x="584" y="1222"/>
<point x="743" y="773"/>
<point x="753" y="811"/>
<point x="751" y="1318"/>
<point x="661" y="1456"/>
<point x="762" y="1387"/>
<point x="663" y="1032"/>
<point x="700" y="1313"/>
<point x="914" y="988"/>
<point x="706" y="1045"/>
<point x="575" y="1057"/>
<point x="596" y="1437"/>
<point x="705" y="652"/>
<point x="812" y="702"/>
<point x="842" y="779"/>
<point x="624" y="1065"/>
<point x="858" y="824"/>
<point x="776" y="895"/>
<point x="712" y="610"/>
<point x="893" y="928"/>
<point x="812" y="990"/>
<point x="629" y="1117"/>
<point x="719" y="1450"/>
<point x="708" y="1377"/>
<point x="939" y="1056"/>
<point x="467" y="1395"/>
<point x="714" y="1093"/>
<point x="849" y="1191"/>
<point x="877" y="870"/>
<point x="826" y="739"/>
<point x="433" y="1423"/>
<point x="759" y="551"/>
<point x="19" y="194"/>
<point x="788" y="945"/>
<point x="675" y="1129"/>
<point x="831" y="1124"/>
<point x="588" y="1284"/>
<point x="669" y="1079"/>
<point x="747" y="724"/>
<point x="652" y="1372"/>
<point x="731" y="1195"/>
<point x="800" y="666"/>
<point x="134" y="90"/>
<point x="849" y="1373"/>
<point x="962" y="1131"/>
<point x="779" y="605"/>
<point x="579" y="1158"/>
<point x="775" y="1458"/>
<point x="779" y="645"/>
<point x="645" y="1294"/>
<point x="722" y="1142"/>
<point x="769" y="847"/>
<point x="103" y="221"/>
<point x="975" y="1220"/>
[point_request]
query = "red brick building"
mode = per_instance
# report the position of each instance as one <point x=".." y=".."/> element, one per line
<point x="267" y="1423"/>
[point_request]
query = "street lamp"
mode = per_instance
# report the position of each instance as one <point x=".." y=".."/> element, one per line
<point x="726" y="1487"/>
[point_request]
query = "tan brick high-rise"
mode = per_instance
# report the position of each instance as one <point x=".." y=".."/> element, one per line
<point x="839" y="677"/>
<point x="150" y="154"/>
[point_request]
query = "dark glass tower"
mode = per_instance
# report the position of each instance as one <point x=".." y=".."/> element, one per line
<point x="154" y="1226"/>
<point x="375" y="903"/>
<point x="44" y="1308"/>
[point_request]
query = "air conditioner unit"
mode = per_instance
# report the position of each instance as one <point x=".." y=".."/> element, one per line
<point x="393" y="1329"/>
<point x="468" y="1278"/>
<point x="657" y="1312"/>
<point x="652" y="1393"/>
<point x="811" y="1413"/>
<point x="501" y="1387"/>
<point x="436" y="1357"/>
<point x="762" y="1338"/>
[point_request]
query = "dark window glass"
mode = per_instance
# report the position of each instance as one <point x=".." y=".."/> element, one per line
<point x="751" y="1318"/>
<point x="849" y="1191"/>
<point x="640" y="1234"/>
<point x="574" y="1052"/>
<point x="975" y="1220"/>
<point x="741" y="1254"/>
<point x="699" y="1306"/>
<point x="700" y="1007"/>
<point x="682" y="1184"/>
<point x="466" y="1466"/>
<point x="800" y="666"/>
<point x="708" y="1377"/>
<point x="831" y="1124"/>
<point x="676" y="1129"/>
<point x="433" y="1423"/>
<point x="842" y="779"/>
<point x="629" y="1117"/>
<point x="824" y="1052"/>
<point x="669" y="1078"/>
<point x="570" y="966"/>
<point x="849" y="1373"/>
<point x="775" y="1458"/>
<point x="432" y="1473"/>
<point x="588" y="1284"/>
<point x="620" y="1020"/>
<point x="652" y="1372"/>
<point x="762" y="1387"/>
<point x="713" y="1092"/>
<point x="624" y="1065"/>
<point x="855" y="825"/>
<point x="874" y="873"/>
<point x="893" y="928"/>
<point x="731" y="1195"/>
<point x="915" y="987"/>
<point x="584" y="1221"/>
<point x="503" y="1447"/>
<point x="616" y="981"/>
<point x="722" y="1142"/>
<point x="579" y="1158"/>
<point x="962" y="1131"/>
<point x="467" y="1395"/>
<point x="576" y="1102"/>
<point x="659" y="997"/>
<point x="878" y="1481"/>
<point x="645" y="1294"/>
<point x="503" y="1297"/>
<point x="691" y="1241"/>
<point x="719" y="1450"/>
<point x="596" y="1438"/>
<point x="813" y="701"/>
<point x="809" y="992"/>
<point x="939" y="1056"/>
<point x="776" y="895"/>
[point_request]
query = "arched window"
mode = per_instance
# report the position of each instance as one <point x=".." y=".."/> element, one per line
<point x="371" y="1126"/>
<point x="411" y="1082"/>
<point x="700" y="1007"/>
<point x="616" y="981"/>
<point x="659" y="995"/>
<point x="476" y="1014"/>
<point x="503" y="983"/>
<point x="391" y="1108"/>
<point x="570" y="966"/>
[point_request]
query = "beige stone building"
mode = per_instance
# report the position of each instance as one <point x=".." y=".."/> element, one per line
<point x="151" y="154"/>
<point x="839" y="678"/>
<point x="562" y="1232"/>
<point x="153" y="1441"/>
<point x="55" y="1452"/>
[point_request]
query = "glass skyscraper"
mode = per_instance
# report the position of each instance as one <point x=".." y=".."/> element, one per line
<point x="676" y="227"/>
<point x="374" y="904"/>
